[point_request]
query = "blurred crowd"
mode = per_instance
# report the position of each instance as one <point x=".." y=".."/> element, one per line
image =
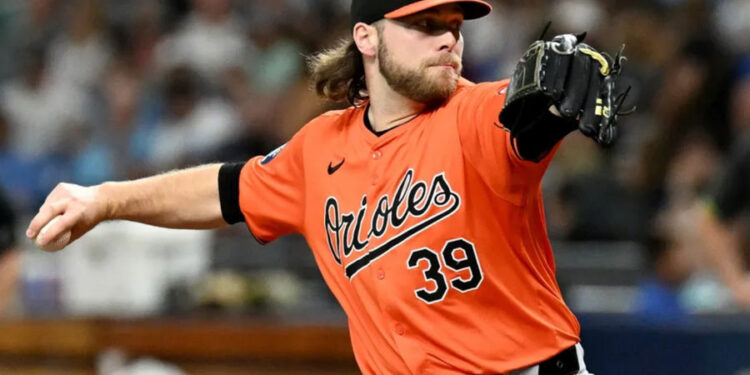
<point x="95" y="90"/>
<point x="98" y="90"/>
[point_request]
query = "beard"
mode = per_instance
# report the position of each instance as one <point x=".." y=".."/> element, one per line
<point x="422" y="85"/>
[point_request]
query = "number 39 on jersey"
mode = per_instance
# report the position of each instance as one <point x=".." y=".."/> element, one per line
<point x="458" y="255"/>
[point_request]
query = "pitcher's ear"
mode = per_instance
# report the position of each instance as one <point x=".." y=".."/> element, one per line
<point x="366" y="38"/>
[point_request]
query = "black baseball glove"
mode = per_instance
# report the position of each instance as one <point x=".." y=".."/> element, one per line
<point x="570" y="77"/>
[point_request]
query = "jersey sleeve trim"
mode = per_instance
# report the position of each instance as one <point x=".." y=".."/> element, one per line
<point x="229" y="192"/>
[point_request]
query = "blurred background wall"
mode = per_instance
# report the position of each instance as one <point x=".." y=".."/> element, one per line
<point x="95" y="90"/>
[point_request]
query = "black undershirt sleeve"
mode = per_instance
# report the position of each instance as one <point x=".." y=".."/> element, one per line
<point x="229" y="192"/>
<point x="7" y="224"/>
<point x="534" y="141"/>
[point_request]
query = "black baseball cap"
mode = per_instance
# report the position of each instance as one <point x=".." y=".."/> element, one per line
<point x="369" y="11"/>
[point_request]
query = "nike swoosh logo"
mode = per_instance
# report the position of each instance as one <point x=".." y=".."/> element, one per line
<point x="333" y="168"/>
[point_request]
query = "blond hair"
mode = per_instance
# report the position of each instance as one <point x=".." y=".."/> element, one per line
<point x="338" y="73"/>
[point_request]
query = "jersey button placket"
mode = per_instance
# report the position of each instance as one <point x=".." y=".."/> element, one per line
<point x="399" y="329"/>
<point x="380" y="274"/>
<point x="376" y="155"/>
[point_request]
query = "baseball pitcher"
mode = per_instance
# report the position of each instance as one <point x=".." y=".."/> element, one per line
<point x="421" y="202"/>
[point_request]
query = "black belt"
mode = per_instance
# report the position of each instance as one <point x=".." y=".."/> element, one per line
<point x="563" y="363"/>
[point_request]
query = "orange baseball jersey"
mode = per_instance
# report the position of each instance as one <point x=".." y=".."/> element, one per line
<point x="431" y="236"/>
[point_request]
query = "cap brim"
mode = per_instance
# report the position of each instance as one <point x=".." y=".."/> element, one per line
<point x="472" y="8"/>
